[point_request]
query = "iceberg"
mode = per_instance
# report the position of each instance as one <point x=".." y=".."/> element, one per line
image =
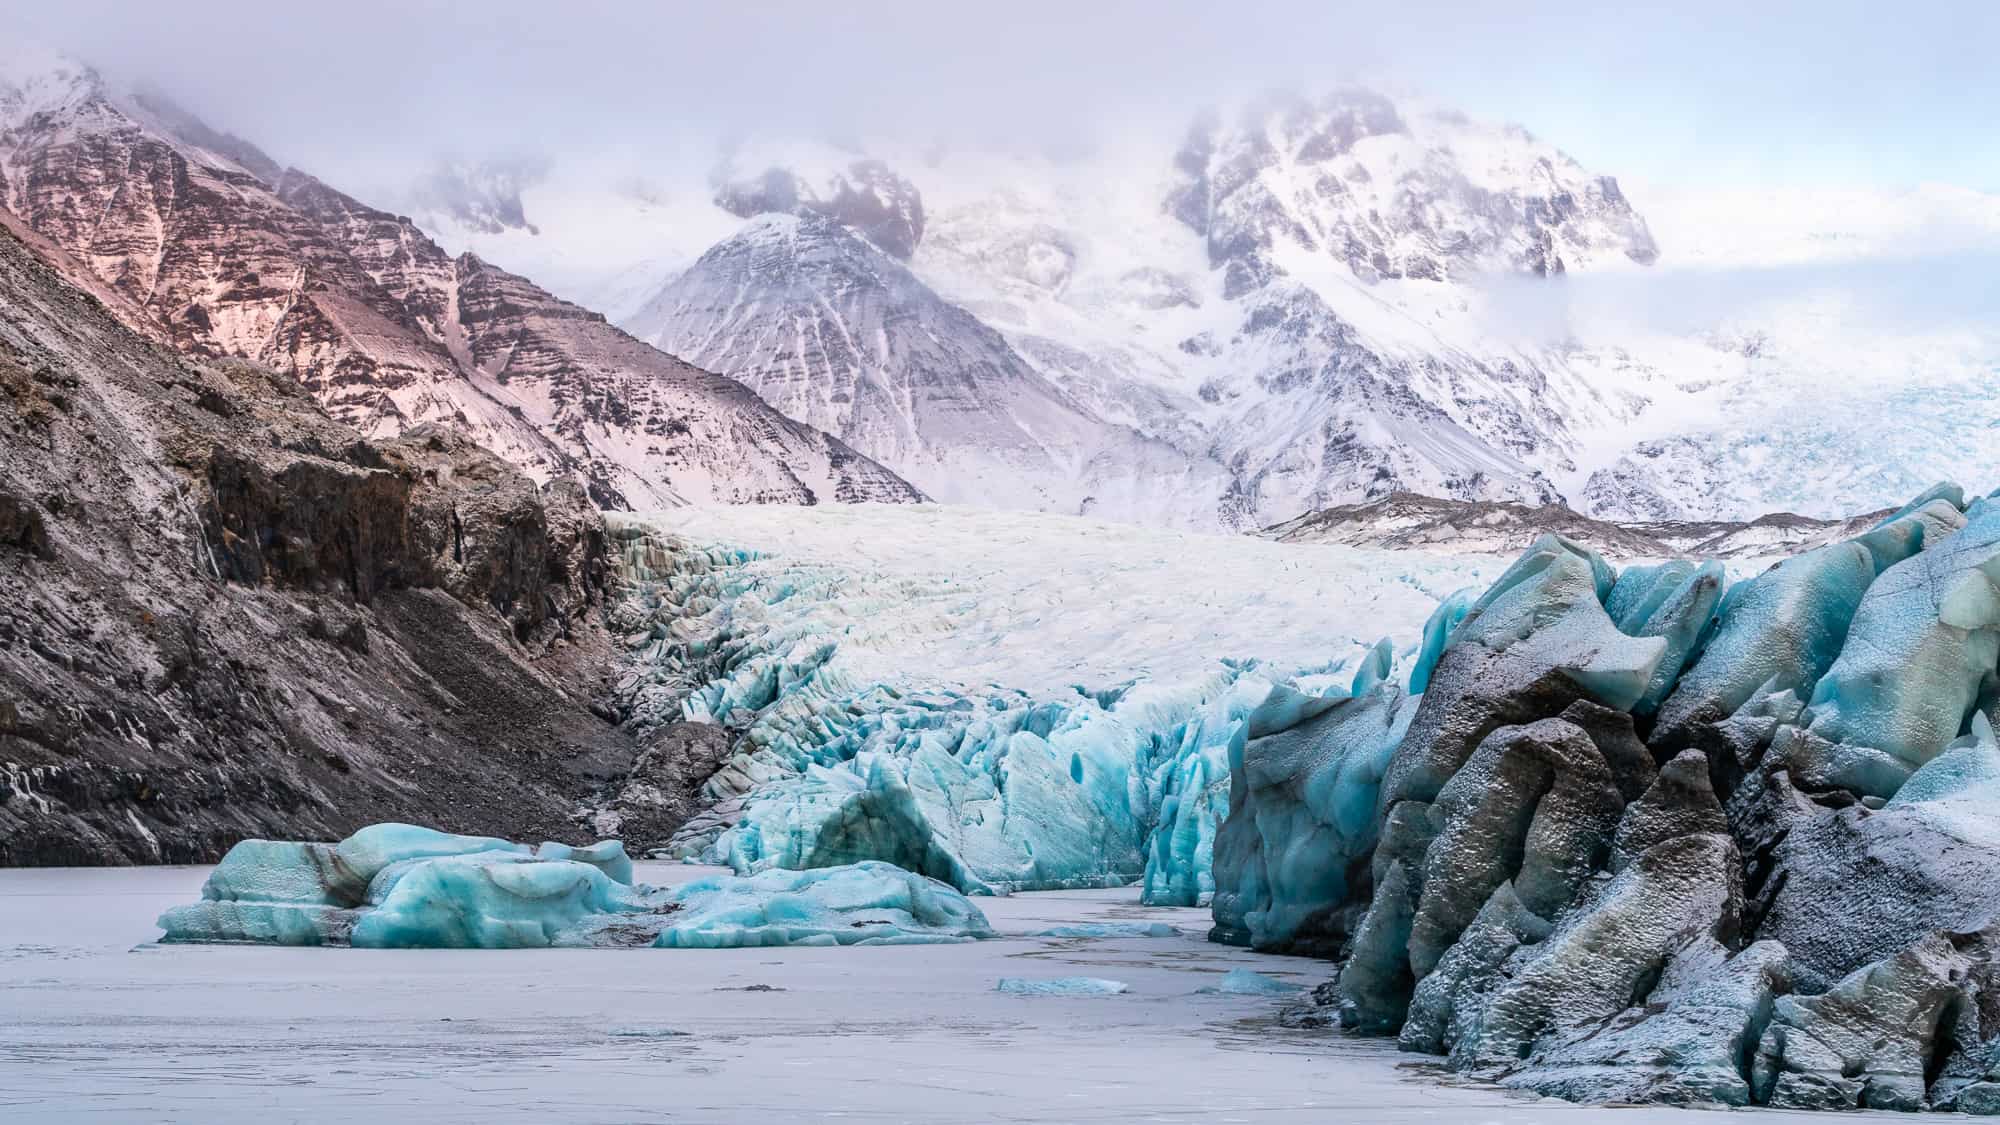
<point x="1782" y="629"/>
<point x="1301" y="818"/>
<point x="1676" y="604"/>
<point x="399" y="886"/>
<point x="1438" y="630"/>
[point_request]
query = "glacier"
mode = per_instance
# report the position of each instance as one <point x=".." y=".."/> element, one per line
<point x="1679" y="831"/>
<point x="401" y="886"/>
<point x="863" y="731"/>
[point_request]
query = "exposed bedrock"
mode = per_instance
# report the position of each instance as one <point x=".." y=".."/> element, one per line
<point x="224" y="614"/>
<point x="1654" y="836"/>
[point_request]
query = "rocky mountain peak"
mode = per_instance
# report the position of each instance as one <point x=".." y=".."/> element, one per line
<point x="35" y="79"/>
<point x="866" y="196"/>
<point x="1349" y="178"/>
<point x="203" y="241"/>
<point x="483" y="196"/>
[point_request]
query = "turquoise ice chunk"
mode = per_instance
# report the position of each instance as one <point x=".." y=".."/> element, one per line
<point x="1783" y="629"/>
<point x="1110" y="930"/>
<point x="1438" y="630"/>
<point x="514" y="898"/>
<point x="1924" y="643"/>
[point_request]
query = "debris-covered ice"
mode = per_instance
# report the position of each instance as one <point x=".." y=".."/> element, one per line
<point x="1653" y="837"/>
<point x="1644" y="836"/>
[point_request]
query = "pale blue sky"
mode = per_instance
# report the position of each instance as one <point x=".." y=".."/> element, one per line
<point x="1835" y="92"/>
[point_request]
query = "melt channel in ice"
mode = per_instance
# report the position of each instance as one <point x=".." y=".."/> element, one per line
<point x="851" y="669"/>
<point x="399" y="886"/>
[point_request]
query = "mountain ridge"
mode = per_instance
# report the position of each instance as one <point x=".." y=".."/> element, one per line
<point x="366" y="310"/>
<point x="1339" y="296"/>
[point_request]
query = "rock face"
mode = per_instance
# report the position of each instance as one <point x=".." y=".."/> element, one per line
<point x="227" y="614"/>
<point x="866" y="197"/>
<point x="204" y="243"/>
<point x="1405" y="520"/>
<point x="663" y="790"/>
<point x="1778" y="891"/>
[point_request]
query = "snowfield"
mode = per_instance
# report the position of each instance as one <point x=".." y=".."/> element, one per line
<point x="1042" y="602"/>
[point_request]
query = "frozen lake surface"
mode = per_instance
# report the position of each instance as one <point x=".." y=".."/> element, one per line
<point x="97" y="1024"/>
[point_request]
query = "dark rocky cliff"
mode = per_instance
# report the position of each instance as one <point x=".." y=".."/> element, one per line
<point x="223" y="613"/>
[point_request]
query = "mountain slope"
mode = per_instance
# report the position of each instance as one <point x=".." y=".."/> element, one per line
<point x="1239" y="333"/>
<point x="220" y="253"/>
<point x="1337" y="297"/>
<point x="228" y="615"/>
<point x="829" y="328"/>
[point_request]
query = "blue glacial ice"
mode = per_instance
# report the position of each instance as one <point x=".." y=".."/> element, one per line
<point x="986" y="788"/>
<point x="1302" y="816"/>
<point x="1062" y="986"/>
<point x="1674" y="601"/>
<point x="1777" y="890"/>
<point x="1438" y="630"/>
<point x="1782" y="629"/>
<point x="1921" y="649"/>
<point x="398" y="886"/>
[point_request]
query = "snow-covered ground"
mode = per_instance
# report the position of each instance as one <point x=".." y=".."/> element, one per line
<point x="1042" y="602"/>
<point x="101" y="1025"/>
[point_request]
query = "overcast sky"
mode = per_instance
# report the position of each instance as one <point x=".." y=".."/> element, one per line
<point x="1690" y="93"/>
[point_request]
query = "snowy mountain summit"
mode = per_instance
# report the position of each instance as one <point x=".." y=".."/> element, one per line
<point x="1429" y="198"/>
<point x="1218" y="348"/>
<point x="1294" y="303"/>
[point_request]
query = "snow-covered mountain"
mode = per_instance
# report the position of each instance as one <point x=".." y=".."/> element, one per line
<point x="1313" y="301"/>
<point x="1268" y="398"/>
<point x="833" y="330"/>
<point x="200" y="240"/>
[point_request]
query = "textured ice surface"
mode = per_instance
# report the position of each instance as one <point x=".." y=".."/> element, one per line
<point x="1784" y="628"/>
<point x="1000" y="701"/>
<point x="1757" y="902"/>
<point x="1302" y="815"/>
<point x="1675" y="602"/>
<point x="1062" y="986"/>
<point x="1923" y="646"/>
<point x="397" y="886"/>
